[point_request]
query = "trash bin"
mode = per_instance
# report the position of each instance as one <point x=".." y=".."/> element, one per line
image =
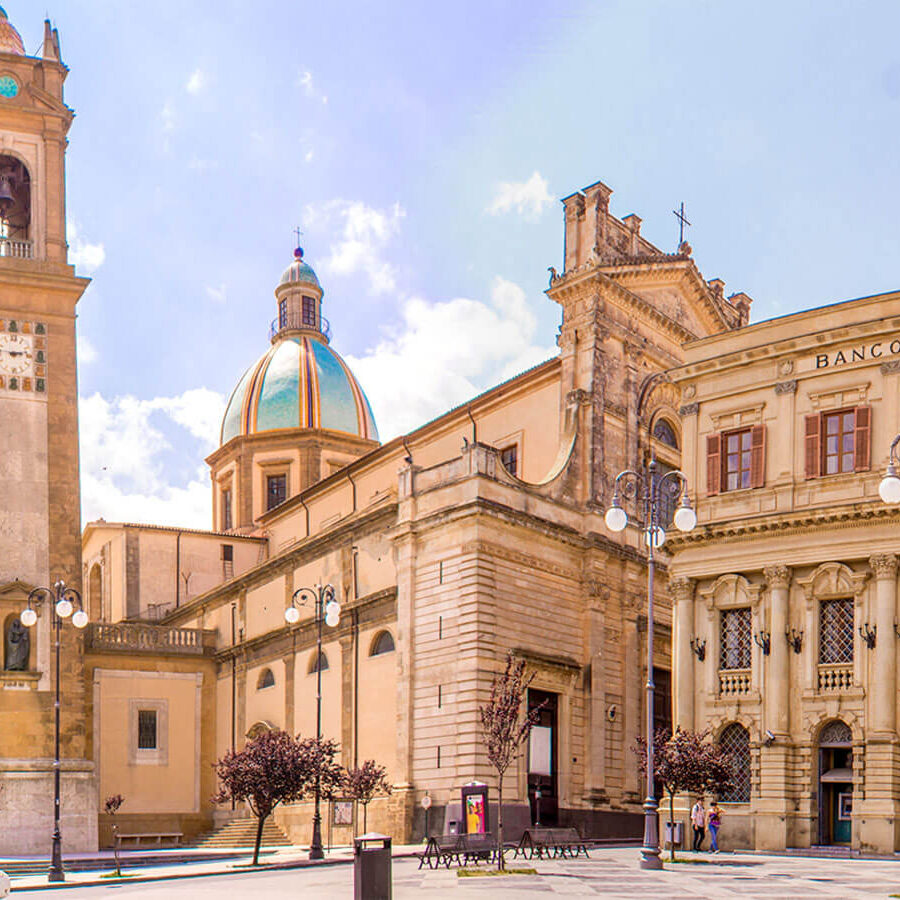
<point x="677" y="835"/>
<point x="372" y="867"/>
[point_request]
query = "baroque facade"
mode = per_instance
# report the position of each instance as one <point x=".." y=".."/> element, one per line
<point x="479" y="532"/>
<point x="789" y="584"/>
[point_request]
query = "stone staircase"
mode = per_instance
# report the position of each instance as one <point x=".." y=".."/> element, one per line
<point x="241" y="834"/>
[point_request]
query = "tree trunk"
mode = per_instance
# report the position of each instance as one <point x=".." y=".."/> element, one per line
<point x="115" y="829"/>
<point x="501" y="863"/>
<point x="365" y="818"/>
<point x="260" y="821"/>
<point x="672" y="823"/>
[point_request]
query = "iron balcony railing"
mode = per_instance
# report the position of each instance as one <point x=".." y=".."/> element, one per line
<point x="293" y="321"/>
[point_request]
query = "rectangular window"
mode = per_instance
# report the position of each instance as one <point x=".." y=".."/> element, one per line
<point x="309" y="312"/>
<point x="282" y="313"/>
<point x="736" y="459"/>
<point x="836" y="631"/>
<point x="734" y="649"/>
<point x="839" y="455"/>
<point x="226" y="510"/>
<point x="276" y="490"/>
<point x="837" y="442"/>
<point x="509" y="456"/>
<point x="146" y="729"/>
<point x="227" y="561"/>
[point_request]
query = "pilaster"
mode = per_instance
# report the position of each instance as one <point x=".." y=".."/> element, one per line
<point x="682" y="591"/>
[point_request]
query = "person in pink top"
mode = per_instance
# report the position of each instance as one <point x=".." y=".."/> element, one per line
<point x="698" y="821"/>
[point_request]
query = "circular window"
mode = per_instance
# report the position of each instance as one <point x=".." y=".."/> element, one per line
<point x="9" y="87"/>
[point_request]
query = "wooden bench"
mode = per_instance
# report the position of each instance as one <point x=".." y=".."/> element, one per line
<point x="154" y="838"/>
<point x="554" y="842"/>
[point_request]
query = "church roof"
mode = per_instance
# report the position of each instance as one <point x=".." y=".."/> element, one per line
<point x="299" y="272"/>
<point x="300" y="382"/>
<point x="10" y="39"/>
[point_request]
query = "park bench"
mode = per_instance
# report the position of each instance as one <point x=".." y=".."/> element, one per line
<point x="554" y="842"/>
<point x="461" y="849"/>
<point x="154" y="838"/>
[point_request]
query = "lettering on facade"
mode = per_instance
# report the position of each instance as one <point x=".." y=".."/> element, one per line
<point x="858" y="354"/>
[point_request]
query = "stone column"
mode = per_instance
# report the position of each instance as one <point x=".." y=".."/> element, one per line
<point x="883" y="686"/>
<point x="682" y="592"/>
<point x="776" y="685"/>
<point x="773" y="807"/>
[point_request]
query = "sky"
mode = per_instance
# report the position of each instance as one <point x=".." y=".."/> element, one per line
<point x="423" y="149"/>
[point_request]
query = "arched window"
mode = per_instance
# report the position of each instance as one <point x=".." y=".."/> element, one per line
<point x="266" y="679"/>
<point x="665" y="433"/>
<point x="735" y="739"/>
<point x="383" y="643"/>
<point x="322" y="663"/>
<point x="835" y="734"/>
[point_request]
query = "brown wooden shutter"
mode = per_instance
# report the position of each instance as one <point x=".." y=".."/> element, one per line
<point x="812" y="445"/>
<point x="757" y="456"/>
<point x="713" y="463"/>
<point x="862" y="443"/>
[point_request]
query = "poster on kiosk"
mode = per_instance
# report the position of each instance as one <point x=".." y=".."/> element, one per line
<point x="475" y="808"/>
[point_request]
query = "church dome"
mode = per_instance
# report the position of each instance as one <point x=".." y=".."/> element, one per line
<point x="300" y="382"/>
<point x="10" y="39"/>
<point x="299" y="272"/>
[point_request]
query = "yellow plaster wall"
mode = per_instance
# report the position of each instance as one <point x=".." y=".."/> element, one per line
<point x="305" y="693"/>
<point x="377" y="702"/>
<point x="266" y="704"/>
<point x="264" y="608"/>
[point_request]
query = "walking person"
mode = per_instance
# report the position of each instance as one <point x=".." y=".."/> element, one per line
<point x="698" y="821"/>
<point x="714" y="822"/>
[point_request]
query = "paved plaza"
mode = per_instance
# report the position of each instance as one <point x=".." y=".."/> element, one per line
<point x="611" y="873"/>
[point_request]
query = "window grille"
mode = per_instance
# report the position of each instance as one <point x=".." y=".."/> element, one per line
<point x="735" y="639"/>
<point x="835" y="732"/>
<point x="276" y="490"/>
<point x="735" y="740"/>
<point x="309" y="312"/>
<point x="665" y="433"/>
<point x="282" y="313"/>
<point x="836" y="631"/>
<point x="146" y="729"/>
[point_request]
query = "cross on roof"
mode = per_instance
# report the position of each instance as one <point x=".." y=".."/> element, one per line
<point x="682" y="221"/>
<point x="299" y="233"/>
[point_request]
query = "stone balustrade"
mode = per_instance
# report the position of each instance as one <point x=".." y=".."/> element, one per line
<point x="733" y="682"/>
<point x="835" y="677"/>
<point x="132" y="637"/>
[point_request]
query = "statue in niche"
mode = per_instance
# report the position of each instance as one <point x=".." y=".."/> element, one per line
<point x="18" y="644"/>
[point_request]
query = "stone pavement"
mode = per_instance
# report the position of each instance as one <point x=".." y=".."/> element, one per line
<point x="611" y="872"/>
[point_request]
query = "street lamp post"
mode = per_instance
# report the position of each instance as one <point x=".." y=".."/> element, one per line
<point x="648" y="487"/>
<point x="65" y="601"/>
<point x="327" y="611"/>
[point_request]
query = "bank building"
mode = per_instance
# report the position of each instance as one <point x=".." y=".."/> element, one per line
<point x="478" y="532"/>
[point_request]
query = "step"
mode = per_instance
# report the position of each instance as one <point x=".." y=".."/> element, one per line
<point x="243" y="834"/>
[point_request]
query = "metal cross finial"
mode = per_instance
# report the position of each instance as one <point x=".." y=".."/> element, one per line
<point x="682" y="221"/>
<point x="299" y="234"/>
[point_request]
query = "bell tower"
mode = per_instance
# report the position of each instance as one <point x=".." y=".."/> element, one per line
<point x="40" y="515"/>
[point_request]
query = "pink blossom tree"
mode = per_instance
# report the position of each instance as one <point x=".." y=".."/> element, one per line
<point x="364" y="783"/>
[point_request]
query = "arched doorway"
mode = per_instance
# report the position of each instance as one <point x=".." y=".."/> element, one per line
<point x="835" y="783"/>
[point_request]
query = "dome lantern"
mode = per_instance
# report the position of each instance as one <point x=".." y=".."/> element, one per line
<point x="299" y="300"/>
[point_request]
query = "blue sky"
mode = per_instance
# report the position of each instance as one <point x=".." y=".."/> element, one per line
<point x="424" y="147"/>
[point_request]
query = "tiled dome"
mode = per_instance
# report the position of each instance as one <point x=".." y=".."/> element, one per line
<point x="300" y="382"/>
<point x="10" y="39"/>
<point x="299" y="272"/>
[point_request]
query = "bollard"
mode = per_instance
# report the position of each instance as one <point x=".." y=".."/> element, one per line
<point x="372" y="868"/>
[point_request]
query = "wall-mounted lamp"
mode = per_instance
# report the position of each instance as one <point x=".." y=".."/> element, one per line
<point x="770" y="738"/>
<point x="764" y="641"/>
<point x="698" y="647"/>
<point x="868" y="635"/>
<point x="794" y="639"/>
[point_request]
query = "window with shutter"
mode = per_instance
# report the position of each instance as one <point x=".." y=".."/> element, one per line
<point x="812" y="452"/>
<point x="863" y="448"/>
<point x="713" y="463"/>
<point x="758" y="456"/>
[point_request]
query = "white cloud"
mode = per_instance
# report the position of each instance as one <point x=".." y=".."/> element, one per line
<point x="85" y="256"/>
<point x="202" y="165"/>
<point x="167" y="116"/>
<point x="124" y="476"/>
<point x="528" y="198"/>
<point x="217" y="294"/>
<point x="365" y="234"/>
<point x="87" y="352"/>
<point x="196" y="82"/>
<point x="445" y="353"/>
<point x="308" y="156"/>
<point x="305" y="81"/>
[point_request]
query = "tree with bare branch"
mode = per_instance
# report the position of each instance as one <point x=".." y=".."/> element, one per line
<point x="364" y="783"/>
<point x="505" y="729"/>
<point x="689" y="762"/>
<point x="276" y="768"/>
<point x="111" y="807"/>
